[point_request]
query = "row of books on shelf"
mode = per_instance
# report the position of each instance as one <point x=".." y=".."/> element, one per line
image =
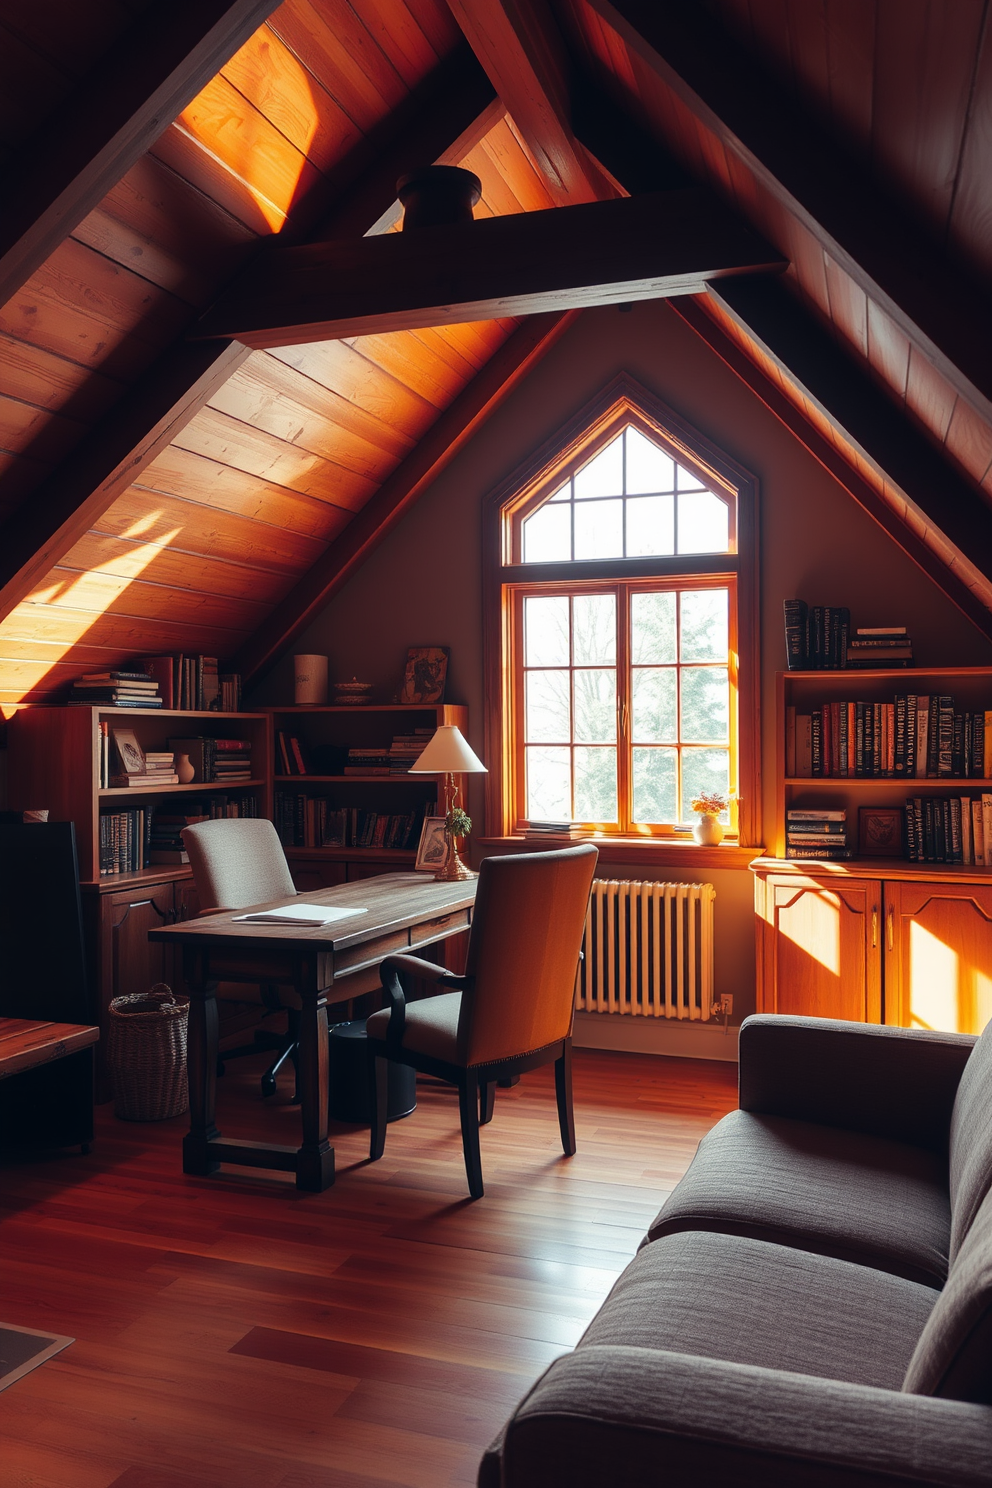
<point x="143" y="837"/>
<point x="949" y="829"/>
<point x="913" y="737"/>
<point x="311" y="821"/>
<point x="819" y="639"/>
<point x="178" y="682"/>
<point x="359" y="759"/>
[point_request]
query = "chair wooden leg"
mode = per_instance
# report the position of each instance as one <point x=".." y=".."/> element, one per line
<point x="487" y="1101"/>
<point x="563" y="1092"/>
<point x="378" y="1101"/>
<point x="468" y="1101"/>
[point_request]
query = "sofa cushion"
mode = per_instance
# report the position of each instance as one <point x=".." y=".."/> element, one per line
<point x="954" y="1355"/>
<point x="970" y="1150"/>
<point x="819" y="1189"/>
<point x="750" y="1302"/>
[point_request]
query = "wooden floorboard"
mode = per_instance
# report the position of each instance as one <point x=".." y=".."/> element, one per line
<point x="236" y="1332"/>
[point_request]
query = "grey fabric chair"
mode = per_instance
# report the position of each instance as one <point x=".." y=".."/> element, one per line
<point x="510" y="1012"/>
<point x="237" y="863"/>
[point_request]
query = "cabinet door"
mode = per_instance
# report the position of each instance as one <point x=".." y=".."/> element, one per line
<point x="134" y="961"/>
<point x="819" y="952"/>
<point x="938" y="956"/>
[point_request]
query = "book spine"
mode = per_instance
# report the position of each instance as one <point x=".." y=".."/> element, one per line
<point x="796" y="620"/>
<point x="966" y="851"/>
<point x="816" y="638"/>
<point x="901" y="738"/>
<point x="956" y="855"/>
<point x="859" y="739"/>
<point x="977" y="745"/>
<point x="909" y="831"/>
<point x="933" y="727"/>
<point x="816" y="742"/>
<point x="843" y="739"/>
<point x="790" y="740"/>
<point x="945" y="736"/>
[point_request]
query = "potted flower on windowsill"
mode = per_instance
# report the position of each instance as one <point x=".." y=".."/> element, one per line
<point x="709" y="830"/>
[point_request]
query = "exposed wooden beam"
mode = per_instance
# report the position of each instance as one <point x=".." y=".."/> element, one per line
<point x="881" y="433"/>
<point x="108" y="460"/>
<point x="885" y="252"/>
<point x="408" y="482"/>
<point x="522" y="51"/>
<point x="600" y="253"/>
<point x="109" y="119"/>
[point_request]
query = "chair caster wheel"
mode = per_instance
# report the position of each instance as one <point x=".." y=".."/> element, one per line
<point x="268" y="1085"/>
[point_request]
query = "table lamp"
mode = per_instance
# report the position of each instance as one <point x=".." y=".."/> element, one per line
<point x="449" y="755"/>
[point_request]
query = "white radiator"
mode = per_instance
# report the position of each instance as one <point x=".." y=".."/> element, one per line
<point x="648" y="949"/>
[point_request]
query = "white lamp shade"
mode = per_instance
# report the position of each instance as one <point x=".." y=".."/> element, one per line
<point x="448" y="753"/>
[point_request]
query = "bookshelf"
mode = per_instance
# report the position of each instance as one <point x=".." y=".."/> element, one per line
<point x="325" y="735"/>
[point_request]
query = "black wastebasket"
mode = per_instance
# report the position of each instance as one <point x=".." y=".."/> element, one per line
<point x="348" y="1078"/>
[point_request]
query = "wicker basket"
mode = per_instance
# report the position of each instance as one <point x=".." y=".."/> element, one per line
<point x="146" y="1053"/>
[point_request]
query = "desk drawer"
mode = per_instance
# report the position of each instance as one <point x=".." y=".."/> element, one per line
<point x="372" y="953"/>
<point x="437" y="929"/>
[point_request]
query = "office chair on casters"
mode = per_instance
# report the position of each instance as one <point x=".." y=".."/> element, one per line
<point x="238" y="862"/>
<point x="510" y="1012"/>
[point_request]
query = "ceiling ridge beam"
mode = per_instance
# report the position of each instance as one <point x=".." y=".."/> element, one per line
<point x="945" y="313"/>
<point x="882" y="433"/>
<point x="111" y="116"/>
<point x="438" y="447"/>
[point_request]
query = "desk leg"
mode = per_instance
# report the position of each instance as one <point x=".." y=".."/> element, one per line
<point x="315" y="1159"/>
<point x="202" y="1068"/>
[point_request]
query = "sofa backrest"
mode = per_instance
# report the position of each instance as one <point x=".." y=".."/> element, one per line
<point x="970" y="1149"/>
<point x="953" y="1357"/>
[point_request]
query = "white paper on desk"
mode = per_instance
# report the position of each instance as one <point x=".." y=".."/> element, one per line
<point x="300" y="914"/>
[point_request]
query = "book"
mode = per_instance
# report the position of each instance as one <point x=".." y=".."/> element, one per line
<point x="796" y="634"/>
<point x="804" y="814"/>
<point x="880" y="630"/>
<point x="142" y="782"/>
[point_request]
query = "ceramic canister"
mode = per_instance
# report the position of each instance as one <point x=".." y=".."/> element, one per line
<point x="310" y="679"/>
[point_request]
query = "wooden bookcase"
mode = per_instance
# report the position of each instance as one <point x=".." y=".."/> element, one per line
<point x="873" y="939"/>
<point x="339" y="728"/>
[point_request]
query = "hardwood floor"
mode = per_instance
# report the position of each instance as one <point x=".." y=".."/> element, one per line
<point x="235" y="1333"/>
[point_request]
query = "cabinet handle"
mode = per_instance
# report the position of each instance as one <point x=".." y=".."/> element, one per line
<point x="889" y="938"/>
<point x="874" y="925"/>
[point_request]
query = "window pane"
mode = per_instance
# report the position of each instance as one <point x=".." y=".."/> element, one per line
<point x="548" y="535"/>
<point x="703" y="524"/>
<point x="688" y="481"/>
<point x="595" y="706"/>
<point x="648" y="467"/>
<point x="703" y="772"/>
<point x="705" y="705"/>
<point x="546" y="631"/>
<point x="546" y="695"/>
<point x="704" y="625"/>
<point x="603" y="476"/>
<point x="652" y="628"/>
<point x="594" y="618"/>
<point x="548" y="784"/>
<point x="599" y="529"/>
<point x="564" y="493"/>
<point x="650" y="526"/>
<point x="596" y="785"/>
<point x="655" y="785"/>
<point x="655" y="706"/>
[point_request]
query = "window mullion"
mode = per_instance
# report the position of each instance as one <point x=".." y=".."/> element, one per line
<point x="624" y="701"/>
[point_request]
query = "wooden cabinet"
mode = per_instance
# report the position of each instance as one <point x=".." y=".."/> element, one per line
<point x="911" y="948"/>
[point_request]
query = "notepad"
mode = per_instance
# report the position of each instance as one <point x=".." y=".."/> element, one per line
<point x="300" y="914"/>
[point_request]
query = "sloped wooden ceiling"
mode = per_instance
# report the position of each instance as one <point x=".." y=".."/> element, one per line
<point x="214" y="532"/>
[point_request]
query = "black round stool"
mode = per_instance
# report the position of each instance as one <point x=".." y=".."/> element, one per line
<point x="348" y="1078"/>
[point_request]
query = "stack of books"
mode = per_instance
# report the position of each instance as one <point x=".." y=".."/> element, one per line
<point x="160" y="767"/>
<point x="816" y="834"/>
<point x="165" y="843"/>
<point x="231" y="761"/>
<point x="571" y="830"/>
<point x="880" y="646"/>
<point x="116" y="690"/>
<point x="406" y="749"/>
<point x="367" y="760"/>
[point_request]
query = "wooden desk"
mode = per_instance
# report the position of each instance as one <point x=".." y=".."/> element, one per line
<point x="326" y="964"/>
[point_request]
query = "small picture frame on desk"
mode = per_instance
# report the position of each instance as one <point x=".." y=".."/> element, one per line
<point x="880" y="832"/>
<point x="433" y="849"/>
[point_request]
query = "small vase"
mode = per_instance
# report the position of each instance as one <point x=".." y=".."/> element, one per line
<point x="184" y="769"/>
<point x="708" y="831"/>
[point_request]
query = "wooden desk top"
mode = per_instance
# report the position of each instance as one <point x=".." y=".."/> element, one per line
<point x="25" y="1042"/>
<point x="392" y="902"/>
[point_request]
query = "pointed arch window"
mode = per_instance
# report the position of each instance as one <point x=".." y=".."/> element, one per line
<point x="622" y="637"/>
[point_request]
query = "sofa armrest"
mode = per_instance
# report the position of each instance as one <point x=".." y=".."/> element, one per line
<point x="615" y="1417"/>
<point x="886" y="1082"/>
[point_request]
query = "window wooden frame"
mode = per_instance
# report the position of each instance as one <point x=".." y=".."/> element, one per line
<point x="506" y="578"/>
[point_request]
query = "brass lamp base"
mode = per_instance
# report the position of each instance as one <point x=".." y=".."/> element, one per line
<point x="453" y="870"/>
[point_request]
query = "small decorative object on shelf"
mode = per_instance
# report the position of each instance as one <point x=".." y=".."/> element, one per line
<point x="880" y="831"/>
<point x="448" y="753"/>
<point x="709" y="830"/>
<point x="310" y="680"/>
<point x="352" y="694"/>
<point x="184" y="769"/>
<point x="425" y="675"/>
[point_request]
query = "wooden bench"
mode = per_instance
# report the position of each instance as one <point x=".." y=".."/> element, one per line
<point x="38" y="1106"/>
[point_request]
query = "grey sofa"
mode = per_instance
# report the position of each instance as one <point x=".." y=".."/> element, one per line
<point x="813" y="1304"/>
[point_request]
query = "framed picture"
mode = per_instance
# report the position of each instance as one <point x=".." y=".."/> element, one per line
<point x="880" y="831"/>
<point x="433" y="847"/>
<point x="131" y="754"/>
<point x="425" y="675"/>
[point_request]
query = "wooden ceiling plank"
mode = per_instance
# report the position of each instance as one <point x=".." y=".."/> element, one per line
<point x="523" y="53"/>
<point x="110" y="118"/>
<point x="340" y="367"/>
<point x="137" y="634"/>
<point x="875" y="426"/>
<point x="945" y="316"/>
<point x="229" y="536"/>
<point x="179" y="565"/>
<point x="643" y="247"/>
<point x="467" y="413"/>
<point x="825" y="452"/>
<point x="106" y="461"/>
<point x="49" y="381"/>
